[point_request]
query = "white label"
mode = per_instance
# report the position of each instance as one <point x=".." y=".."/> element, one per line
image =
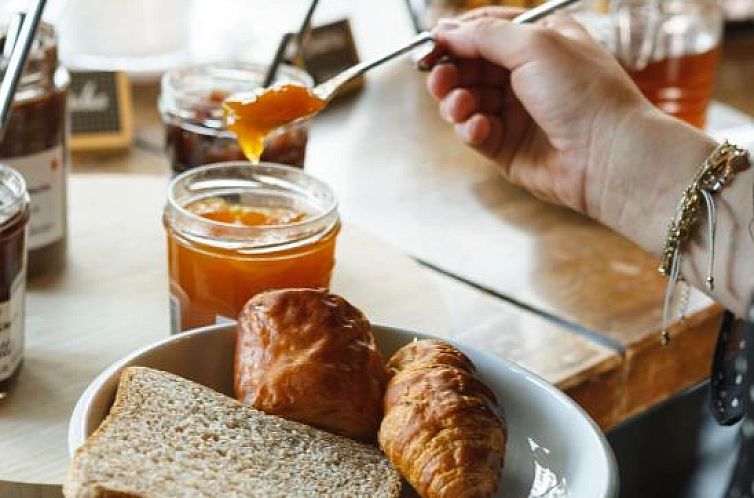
<point x="45" y="181"/>
<point x="12" y="327"/>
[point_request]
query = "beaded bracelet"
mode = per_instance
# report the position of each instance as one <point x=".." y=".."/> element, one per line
<point x="718" y="170"/>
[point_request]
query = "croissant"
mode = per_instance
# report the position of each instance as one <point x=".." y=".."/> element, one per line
<point x="310" y="356"/>
<point x="442" y="427"/>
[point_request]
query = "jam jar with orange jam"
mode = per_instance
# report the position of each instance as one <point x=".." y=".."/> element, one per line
<point x="14" y="218"/>
<point x="236" y="229"/>
<point x="191" y="106"/>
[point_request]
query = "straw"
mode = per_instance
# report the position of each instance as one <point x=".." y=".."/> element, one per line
<point x="303" y="32"/>
<point x="21" y="51"/>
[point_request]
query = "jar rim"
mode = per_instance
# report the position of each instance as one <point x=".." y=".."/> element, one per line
<point x="243" y="177"/>
<point x="184" y="91"/>
<point x="14" y="197"/>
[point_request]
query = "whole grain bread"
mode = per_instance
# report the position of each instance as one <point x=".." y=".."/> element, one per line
<point x="170" y="437"/>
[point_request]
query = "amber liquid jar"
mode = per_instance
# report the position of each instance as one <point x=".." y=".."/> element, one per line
<point x="190" y="104"/>
<point x="35" y="144"/>
<point x="216" y="266"/>
<point x="14" y="215"/>
<point x="670" y="49"/>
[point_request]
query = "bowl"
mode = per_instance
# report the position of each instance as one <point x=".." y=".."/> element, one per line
<point x="554" y="450"/>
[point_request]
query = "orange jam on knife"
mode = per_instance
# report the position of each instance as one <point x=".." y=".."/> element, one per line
<point x="228" y="244"/>
<point x="255" y="118"/>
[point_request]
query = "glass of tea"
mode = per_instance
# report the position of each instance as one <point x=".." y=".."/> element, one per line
<point x="670" y="48"/>
<point x="236" y="229"/>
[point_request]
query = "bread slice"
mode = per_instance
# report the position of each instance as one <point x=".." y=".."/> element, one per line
<point x="169" y="437"/>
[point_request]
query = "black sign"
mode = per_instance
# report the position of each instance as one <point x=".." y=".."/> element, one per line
<point x="100" y="110"/>
<point x="329" y="50"/>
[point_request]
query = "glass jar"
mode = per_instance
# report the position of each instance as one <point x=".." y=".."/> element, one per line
<point x="35" y="144"/>
<point x="670" y="48"/>
<point x="236" y="229"/>
<point x="191" y="107"/>
<point x="14" y="216"/>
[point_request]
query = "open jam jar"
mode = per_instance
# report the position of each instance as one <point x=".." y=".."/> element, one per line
<point x="14" y="215"/>
<point x="35" y="144"/>
<point x="191" y="107"/>
<point x="237" y="229"/>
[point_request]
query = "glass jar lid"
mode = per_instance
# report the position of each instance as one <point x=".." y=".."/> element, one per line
<point x="196" y="93"/>
<point x="14" y="198"/>
<point x="266" y="186"/>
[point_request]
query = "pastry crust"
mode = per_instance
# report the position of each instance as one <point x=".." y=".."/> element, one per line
<point x="310" y="356"/>
<point x="443" y="428"/>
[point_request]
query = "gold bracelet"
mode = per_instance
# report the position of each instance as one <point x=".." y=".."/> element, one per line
<point x="718" y="170"/>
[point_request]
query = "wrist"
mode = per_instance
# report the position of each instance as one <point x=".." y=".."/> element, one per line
<point x="649" y="162"/>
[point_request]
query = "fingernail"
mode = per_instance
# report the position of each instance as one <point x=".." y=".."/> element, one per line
<point x="447" y="24"/>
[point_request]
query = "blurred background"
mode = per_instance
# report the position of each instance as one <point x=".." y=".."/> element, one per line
<point x="146" y="37"/>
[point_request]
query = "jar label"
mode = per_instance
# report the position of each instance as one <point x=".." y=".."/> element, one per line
<point x="12" y="327"/>
<point x="45" y="181"/>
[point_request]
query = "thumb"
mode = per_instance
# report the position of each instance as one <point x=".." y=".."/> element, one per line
<point x="496" y="40"/>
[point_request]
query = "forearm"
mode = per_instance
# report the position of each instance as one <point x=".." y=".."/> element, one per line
<point x="638" y="195"/>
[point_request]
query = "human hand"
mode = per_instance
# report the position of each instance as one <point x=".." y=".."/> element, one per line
<point x="546" y="102"/>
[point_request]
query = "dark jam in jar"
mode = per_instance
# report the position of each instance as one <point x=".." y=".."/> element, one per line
<point x="14" y="214"/>
<point x="191" y="107"/>
<point x="35" y="144"/>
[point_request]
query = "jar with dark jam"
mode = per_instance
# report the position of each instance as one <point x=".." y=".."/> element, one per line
<point x="14" y="216"/>
<point x="191" y="107"/>
<point x="35" y="145"/>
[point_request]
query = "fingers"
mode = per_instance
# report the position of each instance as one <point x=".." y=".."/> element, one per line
<point x="505" y="44"/>
<point x="465" y="73"/>
<point x="493" y="11"/>
<point x="496" y="40"/>
<point x="460" y="103"/>
<point x="475" y="131"/>
<point x="483" y="132"/>
<point x="442" y="80"/>
<point x="458" y="106"/>
<point x="439" y="53"/>
<point x="567" y="26"/>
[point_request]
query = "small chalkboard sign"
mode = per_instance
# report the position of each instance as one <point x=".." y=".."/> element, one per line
<point x="330" y="49"/>
<point x="99" y="103"/>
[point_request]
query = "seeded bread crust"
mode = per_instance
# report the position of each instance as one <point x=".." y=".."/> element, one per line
<point x="167" y="437"/>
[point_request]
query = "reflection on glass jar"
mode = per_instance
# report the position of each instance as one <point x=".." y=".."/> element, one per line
<point x="35" y="144"/>
<point x="14" y="216"/>
<point x="237" y="229"/>
<point x="191" y="109"/>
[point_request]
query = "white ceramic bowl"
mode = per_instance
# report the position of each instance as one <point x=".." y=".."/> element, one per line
<point x="554" y="449"/>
